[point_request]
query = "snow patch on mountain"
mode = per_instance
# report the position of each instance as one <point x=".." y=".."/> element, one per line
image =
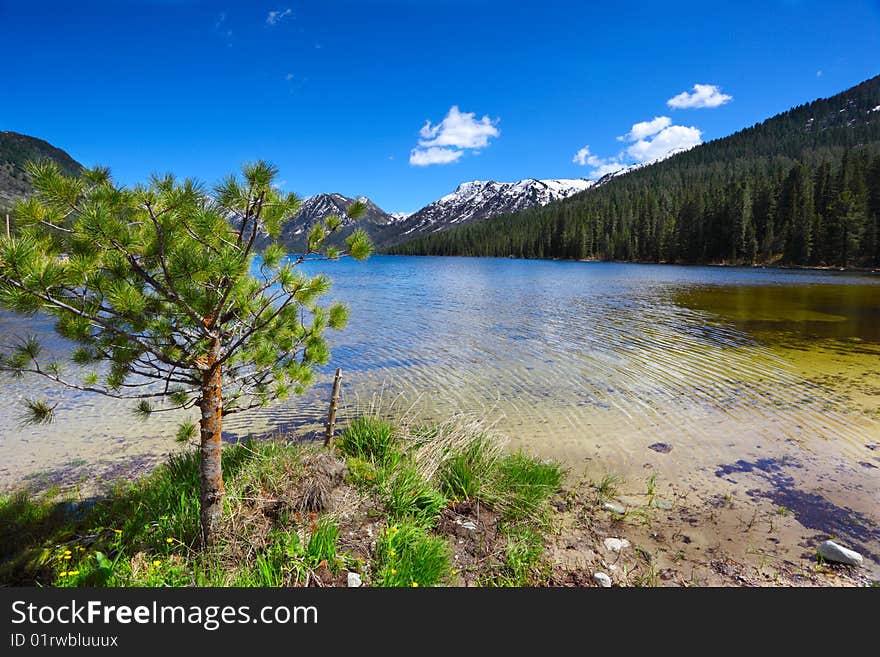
<point x="481" y="199"/>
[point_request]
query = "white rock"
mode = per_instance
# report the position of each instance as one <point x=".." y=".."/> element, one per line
<point x="354" y="580"/>
<point x="602" y="580"/>
<point x="616" y="508"/>
<point x="831" y="551"/>
<point x="616" y="544"/>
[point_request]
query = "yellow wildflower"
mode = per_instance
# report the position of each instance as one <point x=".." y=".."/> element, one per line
<point x="63" y="573"/>
<point x="157" y="563"/>
<point x="67" y="556"/>
<point x="415" y="585"/>
<point x="392" y="553"/>
<point x="454" y="572"/>
<point x="118" y="531"/>
<point x="73" y="572"/>
<point x="394" y="529"/>
<point x="169" y="540"/>
<point x="394" y="571"/>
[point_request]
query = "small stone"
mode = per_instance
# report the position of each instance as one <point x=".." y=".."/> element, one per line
<point x="616" y="544"/>
<point x="470" y="525"/>
<point x="662" y="448"/>
<point x="831" y="551"/>
<point x="661" y="504"/>
<point x="354" y="580"/>
<point x="614" y="508"/>
<point x="602" y="580"/>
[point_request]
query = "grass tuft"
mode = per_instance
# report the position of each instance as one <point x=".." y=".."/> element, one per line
<point x="466" y="473"/>
<point x="406" y="494"/>
<point x="607" y="486"/>
<point x="526" y="484"/>
<point x="323" y="542"/>
<point x="370" y="438"/>
<point x="522" y="557"/>
<point x="408" y="555"/>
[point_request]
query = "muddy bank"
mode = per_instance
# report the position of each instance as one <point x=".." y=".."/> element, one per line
<point x="683" y="537"/>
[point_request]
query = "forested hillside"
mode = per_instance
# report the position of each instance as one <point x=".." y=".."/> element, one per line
<point x="802" y="188"/>
<point x="15" y="151"/>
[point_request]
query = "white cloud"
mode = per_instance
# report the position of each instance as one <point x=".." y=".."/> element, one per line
<point x="275" y="17"/>
<point x="448" y="140"/>
<point x="704" y="95"/>
<point x="601" y="166"/>
<point x="646" y="128"/>
<point x="460" y="130"/>
<point x="671" y="138"/>
<point x="659" y="139"/>
<point x="581" y="156"/>
<point x="423" y="157"/>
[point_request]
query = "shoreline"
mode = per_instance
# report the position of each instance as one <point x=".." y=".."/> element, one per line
<point x="651" y="533"/>
<point x="818" y="268"/>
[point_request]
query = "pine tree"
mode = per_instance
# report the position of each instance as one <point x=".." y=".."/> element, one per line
<point x="185" y="296"/>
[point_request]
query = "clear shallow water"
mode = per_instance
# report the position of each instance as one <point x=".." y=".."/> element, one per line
<point x="588" y="362"/>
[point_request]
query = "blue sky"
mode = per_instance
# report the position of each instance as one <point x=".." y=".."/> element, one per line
<point x="371" y="97"/>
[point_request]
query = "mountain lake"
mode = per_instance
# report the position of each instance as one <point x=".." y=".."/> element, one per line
<point x="757" y="383"/>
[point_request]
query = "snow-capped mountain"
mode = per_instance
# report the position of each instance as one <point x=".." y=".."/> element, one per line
<point x="481" y="199"/>
<point x="471" y="201"/>
<point x="318" y="207"/>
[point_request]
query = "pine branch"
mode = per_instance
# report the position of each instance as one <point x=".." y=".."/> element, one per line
<point x="75" y="386"/>
<point x="98" y="321"/>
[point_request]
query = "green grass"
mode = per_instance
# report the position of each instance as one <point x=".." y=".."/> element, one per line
<point x="407" y="495"/>
<point x="408" y="555"/>
<point x="465" y="465"/>
<point x="322" y="543"/>
<point x="463" y="476"/>
<point x="146" y="532"/>
<point x="525" y="484"/>
<point x="522" y="557"/>
<point x="652" y="487"/>
<point x="369" y="438"/>
<point x="607" y="486"/>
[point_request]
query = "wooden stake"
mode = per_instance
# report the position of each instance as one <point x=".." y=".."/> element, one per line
<point x="334" y="401"/>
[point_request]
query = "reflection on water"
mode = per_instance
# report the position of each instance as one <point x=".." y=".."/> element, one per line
<point x="568" y="357"/>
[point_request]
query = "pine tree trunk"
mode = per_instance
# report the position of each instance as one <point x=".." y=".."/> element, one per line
<point x="210" y="470"/>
